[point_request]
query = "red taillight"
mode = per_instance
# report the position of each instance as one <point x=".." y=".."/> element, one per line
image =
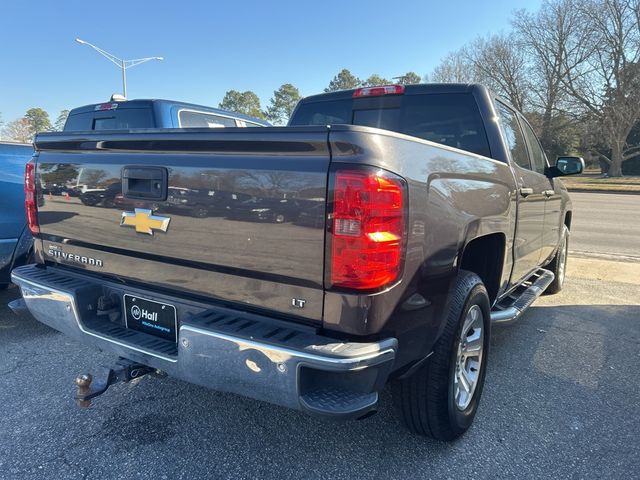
<point x="378" y="91"/>
<point x="30" y="203"/>
<point x="367" y="229"/>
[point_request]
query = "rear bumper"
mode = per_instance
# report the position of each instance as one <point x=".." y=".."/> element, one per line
<point x="220" y="348"/>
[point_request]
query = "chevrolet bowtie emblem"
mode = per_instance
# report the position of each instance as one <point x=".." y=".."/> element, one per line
<point x="144" y="221"/>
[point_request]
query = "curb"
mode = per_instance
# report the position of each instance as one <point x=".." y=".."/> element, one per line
<point x="594" y="190"/>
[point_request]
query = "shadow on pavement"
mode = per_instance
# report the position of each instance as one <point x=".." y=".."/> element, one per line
<point x="560" y="401"/>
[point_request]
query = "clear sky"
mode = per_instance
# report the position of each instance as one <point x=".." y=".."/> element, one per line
<point x="211" y="47"/>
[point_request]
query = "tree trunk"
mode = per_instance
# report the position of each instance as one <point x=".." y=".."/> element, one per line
<point x="615" y="169"/>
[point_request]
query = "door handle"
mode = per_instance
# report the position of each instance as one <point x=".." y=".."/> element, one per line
<point x="549" y="193"/>
<point x="525" y="191"/>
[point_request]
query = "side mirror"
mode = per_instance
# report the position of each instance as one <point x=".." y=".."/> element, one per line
<point x="566" y="166"/>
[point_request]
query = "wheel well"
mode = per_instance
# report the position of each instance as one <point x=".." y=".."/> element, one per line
<point x="567" y="220"/>
<point x="484" y="256"/>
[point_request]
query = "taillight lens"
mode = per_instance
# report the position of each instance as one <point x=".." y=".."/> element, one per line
<point x="367" y="229"/>
<point x="30" y="203"/>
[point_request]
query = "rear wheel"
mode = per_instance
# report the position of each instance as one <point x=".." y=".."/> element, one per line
<point x="559" y="263"/>
<point x="441" y="397"/>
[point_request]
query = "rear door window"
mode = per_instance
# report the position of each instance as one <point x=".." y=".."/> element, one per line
<point x="513" y="136"/>
<point x="536" y="154"/>
<point x="190" y="119"/>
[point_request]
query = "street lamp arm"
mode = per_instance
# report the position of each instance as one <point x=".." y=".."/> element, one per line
<point x="102" y="52"/>
<point x="120" y="62"/>
<point x="138" y="61"/>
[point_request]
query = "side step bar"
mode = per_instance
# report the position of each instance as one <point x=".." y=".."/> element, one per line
<point x="509" y="309"/>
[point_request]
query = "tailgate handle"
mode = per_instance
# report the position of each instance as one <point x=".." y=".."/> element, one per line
<point x="144" y="183"/>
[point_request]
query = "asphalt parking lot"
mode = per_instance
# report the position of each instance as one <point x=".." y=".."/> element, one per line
<point x="561" y="401"/>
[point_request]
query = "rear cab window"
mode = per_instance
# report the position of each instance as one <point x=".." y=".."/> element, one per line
<point x="451" y="119"/>
<point x="116" y="119"/>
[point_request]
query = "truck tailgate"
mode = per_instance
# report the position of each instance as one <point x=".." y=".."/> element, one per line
<point x="243" y="210"/>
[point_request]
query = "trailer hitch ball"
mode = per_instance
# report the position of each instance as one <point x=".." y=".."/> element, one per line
<point x="83" y="382"/>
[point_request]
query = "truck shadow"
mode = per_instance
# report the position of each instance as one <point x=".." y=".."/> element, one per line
<point x="559" y="393"/>
<point x="558" y="374"/>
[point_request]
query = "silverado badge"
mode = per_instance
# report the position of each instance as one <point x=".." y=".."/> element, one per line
<point x="144" y="221"/>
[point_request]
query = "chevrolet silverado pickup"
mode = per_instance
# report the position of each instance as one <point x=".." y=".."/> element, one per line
<point x="375" y="240"/>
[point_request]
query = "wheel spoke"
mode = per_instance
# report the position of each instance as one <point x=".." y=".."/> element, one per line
<point x="463" y="382"/>
<point x="473" y="344"/>
<point x="468" y="378"/>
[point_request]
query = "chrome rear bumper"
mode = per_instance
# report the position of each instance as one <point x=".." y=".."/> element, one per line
<point x="220" y="348"/>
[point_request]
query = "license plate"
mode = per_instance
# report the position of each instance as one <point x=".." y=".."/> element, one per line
<point x="149" y="316"/>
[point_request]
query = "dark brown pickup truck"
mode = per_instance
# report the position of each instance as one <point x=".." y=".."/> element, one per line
<point x="374" y="240"/>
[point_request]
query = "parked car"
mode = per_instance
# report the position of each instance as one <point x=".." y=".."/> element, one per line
<point x="15" y="238"/>
<point x="104" y="197"/>
<point x="258" y="209"/>
<point x="128" y="114"/>
<point x="198" y="203"/>
<point x="442" y="219"/>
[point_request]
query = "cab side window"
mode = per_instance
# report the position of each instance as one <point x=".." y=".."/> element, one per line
<point x="513" y="136"/>
<point x="538" y="158"/>
<point x="189" y="119"/>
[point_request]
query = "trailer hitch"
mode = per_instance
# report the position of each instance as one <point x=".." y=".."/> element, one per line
<point x="90" y="386"/>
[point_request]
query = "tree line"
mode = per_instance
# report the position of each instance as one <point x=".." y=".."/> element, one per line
<point x="34" y="120"/>
<point x="573" y="68"/>
<point x="278" y="111"/>
<point x="286" y="97"/>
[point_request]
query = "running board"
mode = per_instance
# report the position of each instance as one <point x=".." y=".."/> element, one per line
<point x="509" y="309"/>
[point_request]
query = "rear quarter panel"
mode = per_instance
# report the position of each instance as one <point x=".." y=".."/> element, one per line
<point x="454" y="197"/>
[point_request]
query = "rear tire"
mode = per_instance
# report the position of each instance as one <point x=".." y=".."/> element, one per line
<point x="435" y="400"/>
<point x="559" y="264"/>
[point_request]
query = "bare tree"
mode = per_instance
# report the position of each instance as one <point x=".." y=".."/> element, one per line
<point x="603" y="73"/>
<point x="549" y="37"/>
<point x="500" y="62"/>
<point x="496" y="61"/>
<point x="19" y="130"/>
<point x="454" y="68"/>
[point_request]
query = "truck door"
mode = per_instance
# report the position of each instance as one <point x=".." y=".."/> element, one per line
<point x="553" y="204"/>
<point x="530" y="190"/>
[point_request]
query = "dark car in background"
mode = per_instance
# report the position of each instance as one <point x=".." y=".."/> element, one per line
<point x="103" y="197"/>
<point x="154" y="113"/>
<point x="15" y="238"/>
<point x="257" y="209"/>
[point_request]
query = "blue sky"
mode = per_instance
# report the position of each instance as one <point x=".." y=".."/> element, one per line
<point x="211" y="47"/>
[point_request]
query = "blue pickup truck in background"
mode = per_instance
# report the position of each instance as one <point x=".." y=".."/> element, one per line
<point x="15" y="238"/>
<point x="126" y="114"/>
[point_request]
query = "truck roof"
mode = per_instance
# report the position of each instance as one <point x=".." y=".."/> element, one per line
<point x="142" y="103"/>
<point x="409" y="90"/>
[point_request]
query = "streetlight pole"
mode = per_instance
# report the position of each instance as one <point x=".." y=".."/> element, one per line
<point x="120" y="62"/>
<point x="124" y="80"/>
